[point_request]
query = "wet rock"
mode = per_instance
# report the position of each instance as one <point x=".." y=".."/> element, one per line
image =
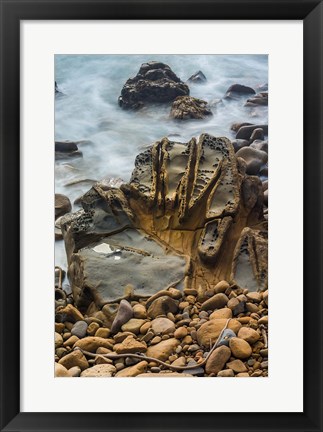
<point x="133" y="371"/>
<point x="154" y="83"/>
<point x="217" y="360"/>
<point x="163" y="350"/>
<point x="260" y="145"/>
<point x="254" y="159"/>
<point x="237" y="90"/>
<point x="245" y="131"/>
<point x="187" y="107"/>
<point x="75" y="358"/>
<point x="237" y="366"/>
<point x="99" y="371"/>
<point x="209" y="332"/>
<point x="240" y="348"/>
<point x="239" y="143"/>
<point x="124" y="314"/>
<point x="218" y="301"/>
<point x="130" y="345"/>
<point x="66" y="149"/>
<point x="163" y="326"/>
<point x="197" y="78"/>
<point x="137" y="240"/>
<point x="236" y="126"/>
<point x="162" y="306"/>
<point x="62" y="205"/>
<point x="257" y="134"/>
<point x="258" y="99"/>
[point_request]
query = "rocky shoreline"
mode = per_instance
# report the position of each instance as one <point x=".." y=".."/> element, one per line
<point x="169" y="272"/>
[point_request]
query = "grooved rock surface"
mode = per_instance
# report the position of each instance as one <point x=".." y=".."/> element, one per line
<point x="154" y="83"/>
<point x="189" y="218"/>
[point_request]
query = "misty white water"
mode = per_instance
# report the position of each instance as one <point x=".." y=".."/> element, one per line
<point x="89" y="111"/>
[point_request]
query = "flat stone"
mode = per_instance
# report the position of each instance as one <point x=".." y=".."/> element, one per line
<point x="240" y="348"/>
<point x="92" y="343"/>
<point x="133" y="325"/>
<point x="130" y="345"/>
<point x="99" y="371"/>
<point x="163" y="326"/>
<point x="226" y="373"/>
<point x="133" y="371"/>
<point x="75" y="358"/>
<point x="163" y="350"/>
<point x="254" y="296"/>
<point x="180" y="333"/>
<point x="217" y="359"/>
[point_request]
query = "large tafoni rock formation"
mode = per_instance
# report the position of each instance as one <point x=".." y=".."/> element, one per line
<point x="189" y="218"/>
<point x="154" y="83"/>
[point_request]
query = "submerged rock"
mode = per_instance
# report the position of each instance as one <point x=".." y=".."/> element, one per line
<point x="184" y="220"/>
<point x="187" y="107"/>
<point x="237" y="90"/>
<point x="154" y="83"/>
<point x="66" y="149"/>
<point x="197" y="78"/>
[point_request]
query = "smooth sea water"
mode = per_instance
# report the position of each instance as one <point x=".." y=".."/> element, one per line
<point x="89" y="111"/>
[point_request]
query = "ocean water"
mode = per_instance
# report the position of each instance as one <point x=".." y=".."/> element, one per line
<point x="89" y="112"/>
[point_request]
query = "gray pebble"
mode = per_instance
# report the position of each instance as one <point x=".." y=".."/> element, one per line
<point x="79" y="329"/>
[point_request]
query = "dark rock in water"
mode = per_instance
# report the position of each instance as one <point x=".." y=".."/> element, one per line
<point x="239" y="143"/>
<point x="236" y="126"/>
<point x="154" y="83"/>
<point x="62" y="205"/>
<point x="259" y="99"/>
<point x="57" y="91"/>
<point x="124" y="314"/>
<point x="260" y="145"/>
<point x="262" y="87"/>
<point x="197" y="78"/>
<point x="237" y="90"/>
<point x="257" y="134"/>
<point x="245" y="131"/>
<point x="66" y="149"/>
<point x="263" y="171"/>
<point x="187" y="107"/>
<point x="254" y="158"/>
<point x="175" y="225"/>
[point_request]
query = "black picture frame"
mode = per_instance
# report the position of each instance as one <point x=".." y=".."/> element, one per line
<point x="12" y="12"/>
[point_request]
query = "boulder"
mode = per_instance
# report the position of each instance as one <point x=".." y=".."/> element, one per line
<point x="240" y="348"/>
<point x="66" y="149"/>
<point x="163" y="349"/>
<point x="182" y="201"/>
<point x="209" y="332"/>
<point x="254" y="159"/>
<point x="187" y="107"/>
<point x="133" y="371"/>
<point x="154" y="83"/>
<point x="245" y="131"/>
<point x="258" y="99"/>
